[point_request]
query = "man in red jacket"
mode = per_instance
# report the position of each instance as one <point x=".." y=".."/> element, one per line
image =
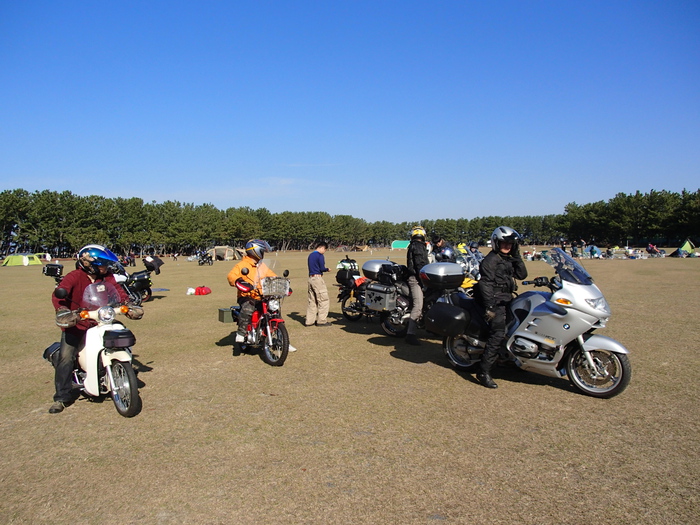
<point x="95" y="263"/>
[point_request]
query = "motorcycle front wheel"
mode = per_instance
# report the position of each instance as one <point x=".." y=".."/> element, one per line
<point x="610" y="375"/>
<point x="391" y="326"/>
<point x="125" y="392"/>
<point x="146" y="295"/>
<point x="457" y="352"/>
<point x="275" y="354"/>
<point x="351" y="308"/>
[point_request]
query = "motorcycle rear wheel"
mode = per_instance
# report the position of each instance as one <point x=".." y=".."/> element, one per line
<point x="455" y="348"/>
<point x="392" y="328"/>
<point x="125" y="392"/>
<point x="611" y="376"/>
<point x="350" y="307"/>
<point x="146" y="295"/>
<point x="275" y="354"/>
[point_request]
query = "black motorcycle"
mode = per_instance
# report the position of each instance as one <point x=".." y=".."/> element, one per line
<point x="205" y="258"/>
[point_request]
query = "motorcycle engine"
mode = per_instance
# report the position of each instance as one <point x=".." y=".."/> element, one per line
<point x="402" y="303"/>
<point x="524" y="348"/>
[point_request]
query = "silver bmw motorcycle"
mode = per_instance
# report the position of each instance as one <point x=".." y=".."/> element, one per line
<point x="550" y="333"/>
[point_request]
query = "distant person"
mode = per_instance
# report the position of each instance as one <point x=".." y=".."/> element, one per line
<point x="318" y="302"/>
<point x="416" y="258"/>
<point x="499" y="269"/>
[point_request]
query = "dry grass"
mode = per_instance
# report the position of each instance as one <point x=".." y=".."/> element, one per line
<point x="356" y="427"/>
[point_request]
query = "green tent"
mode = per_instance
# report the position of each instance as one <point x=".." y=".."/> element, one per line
<point x="21" y="259"/>
<point x="686" y="247"/>
<point x="400" y="245"/>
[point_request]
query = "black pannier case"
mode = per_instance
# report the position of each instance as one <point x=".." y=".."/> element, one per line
<point x="442" y="275"/>
<point x="119" y="339"/>
<point x="346" y="277"/>
<point x="446" y="319"/>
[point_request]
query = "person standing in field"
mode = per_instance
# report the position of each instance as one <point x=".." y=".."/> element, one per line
<point x="318" y="301"/>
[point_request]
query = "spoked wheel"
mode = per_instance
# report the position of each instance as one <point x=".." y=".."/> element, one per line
<point x="276" y="353"/>
<point x="393" y="326"/>
<point x="609" y="376"/>
<point x="350" y="307"/>
<point x="457" y="351"/>
<point x="146" y="295"/>
<point x="125" y="392"/>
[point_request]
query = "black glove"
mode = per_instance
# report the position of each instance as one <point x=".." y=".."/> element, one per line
<point x="515" y="251"/>
<point x="489" y="316"/>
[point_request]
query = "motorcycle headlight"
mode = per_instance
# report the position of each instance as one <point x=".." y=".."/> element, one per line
<point x="599" y="304"/>
<point x="273" y="305"/>
<point x="105" y="314"/>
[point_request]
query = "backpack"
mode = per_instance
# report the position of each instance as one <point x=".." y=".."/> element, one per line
<point x="202" y="290"/>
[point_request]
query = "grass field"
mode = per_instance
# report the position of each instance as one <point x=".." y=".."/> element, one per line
<point x="356" y="427"/>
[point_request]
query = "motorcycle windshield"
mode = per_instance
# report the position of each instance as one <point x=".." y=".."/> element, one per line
<point x="567" y="268"/>
<point x="100" y="294"/>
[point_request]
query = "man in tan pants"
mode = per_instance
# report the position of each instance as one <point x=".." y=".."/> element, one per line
<point x="318" y="303"/>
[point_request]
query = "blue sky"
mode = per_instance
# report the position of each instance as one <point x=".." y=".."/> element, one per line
<point x="384" y="110"/>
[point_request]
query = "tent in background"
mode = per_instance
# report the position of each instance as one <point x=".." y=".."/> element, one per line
<point x="21" y="259"/>
<point x="685" y="249"/>
<point x="223" y="253"/>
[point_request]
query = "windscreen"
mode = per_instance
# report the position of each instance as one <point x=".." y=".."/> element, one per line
<point x="567" y="268"/>
<point x="99" y="294"/>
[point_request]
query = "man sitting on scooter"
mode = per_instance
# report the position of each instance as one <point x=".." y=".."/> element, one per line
<point x="257" y="270"/>
<point x="95" y="263"/>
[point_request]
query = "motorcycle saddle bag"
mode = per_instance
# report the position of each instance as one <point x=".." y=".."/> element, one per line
<point x="446" y="319"/>
<point x="52" y="354"/>
<point x="119" y="339"/>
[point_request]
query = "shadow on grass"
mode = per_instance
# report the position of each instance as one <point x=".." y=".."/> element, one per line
<point x="140" y="368"/>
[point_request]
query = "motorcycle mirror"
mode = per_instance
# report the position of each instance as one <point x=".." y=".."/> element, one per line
<point x="61" y="293"/>
<point x="245" y="271"/>
<point x="286" y="273"/>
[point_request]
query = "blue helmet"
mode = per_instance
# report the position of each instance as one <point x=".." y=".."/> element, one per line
<point x="95" y="256"/>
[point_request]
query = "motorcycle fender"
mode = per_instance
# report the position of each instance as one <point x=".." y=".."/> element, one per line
<point x="123" y="355"/>
<point x="596" y="342"/>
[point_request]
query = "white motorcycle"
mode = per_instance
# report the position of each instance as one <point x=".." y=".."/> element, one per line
<point x="103" y="365"/>
<point x="548" y="333"/>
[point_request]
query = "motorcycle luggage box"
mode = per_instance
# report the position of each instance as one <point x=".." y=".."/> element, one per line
<point x="442" y="275"/>
<point x="225" y="315"/>
<point x="53" y="270"/>
<point x="446" y="319"/>
<point x="346" y="277"/>
<point x="380" y="297"/>
<point x="119" y="339"/>
<point x="370" y="269"/>
<point x="390" y="273"/>
<point x="140" y="276"/>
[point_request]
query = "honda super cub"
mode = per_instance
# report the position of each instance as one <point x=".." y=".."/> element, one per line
<point x="266" y="329"/>
<point x="103" y="365"/>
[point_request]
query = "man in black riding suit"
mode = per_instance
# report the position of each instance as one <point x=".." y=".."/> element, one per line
<point x="416" y="258"/>
<point x="499" y="269"/>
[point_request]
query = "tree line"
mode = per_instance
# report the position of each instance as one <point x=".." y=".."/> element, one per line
<point x="61" y="222"/>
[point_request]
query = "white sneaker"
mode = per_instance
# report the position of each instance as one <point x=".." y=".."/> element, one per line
<point x="240" y="338"/>
<point x="292" y="348"/>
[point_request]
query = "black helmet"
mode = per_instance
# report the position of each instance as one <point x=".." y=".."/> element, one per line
<point x="95" y="256"/>
<point x="474" y="245"/>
